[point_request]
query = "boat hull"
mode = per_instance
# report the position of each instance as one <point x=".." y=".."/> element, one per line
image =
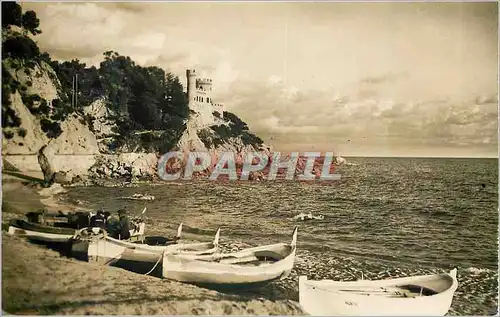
<point x="241" y="268"/>
<point x="213" y="273"/>
<point x="135" y="257"/>
<point x="40" y="233"/>
<point x="49" y="234"/>
<point x="324" y="298"/>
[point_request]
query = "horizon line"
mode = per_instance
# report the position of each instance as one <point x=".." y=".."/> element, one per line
<point x="421" y="156"/>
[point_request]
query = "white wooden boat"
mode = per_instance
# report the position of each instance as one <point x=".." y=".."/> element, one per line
<point x="135" y="256"/>
<point x="425" y="295"/>
<point x="257" y="265"/>
<point x="39" y="232"/>
<point x="51" y="234"/>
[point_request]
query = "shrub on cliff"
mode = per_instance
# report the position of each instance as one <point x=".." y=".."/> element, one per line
<point x="35" y="104"/>
<point x="30" y="22"/>
<point x="8" y="134"/>
<point x="141" y="97"/>
<point x="51" y="128"/>
<point x="11" y="14"/>
<point x="20" y="47"/>
<point x="251" y="139"/>
<point x="205" y="137"/>
<point x="235" y="128"/>
<point x="9" y="86"/>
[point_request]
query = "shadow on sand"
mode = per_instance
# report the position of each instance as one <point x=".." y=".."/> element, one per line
<point x="63" y="248"/>
<point x="23" y="176"/>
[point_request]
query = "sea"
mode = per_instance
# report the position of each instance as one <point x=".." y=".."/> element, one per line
<point x="386" y="217"/>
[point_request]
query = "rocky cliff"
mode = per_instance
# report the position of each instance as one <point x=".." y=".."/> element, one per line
<point x="88" y="142"/>
<point x="37" y="87"/>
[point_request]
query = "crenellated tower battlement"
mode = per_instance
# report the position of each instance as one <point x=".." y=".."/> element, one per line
<point x="200" y="99"/>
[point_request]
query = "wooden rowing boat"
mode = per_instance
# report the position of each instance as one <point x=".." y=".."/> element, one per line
<point x="259" y="265"/>
<point x="134" y="256"/>
<point x="39" y="232"/>
<point x="52" y="234"/>
<point x="424" y="295"/>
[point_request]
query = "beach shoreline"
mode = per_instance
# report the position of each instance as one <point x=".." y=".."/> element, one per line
<point x="57" y="291"/>
<point x="65" y="285"/>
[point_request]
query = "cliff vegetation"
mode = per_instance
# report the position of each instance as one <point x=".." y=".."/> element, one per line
<point x="146" y="108"/>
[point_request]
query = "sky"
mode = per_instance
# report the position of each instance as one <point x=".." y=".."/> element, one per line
<point x="358" y="79"/>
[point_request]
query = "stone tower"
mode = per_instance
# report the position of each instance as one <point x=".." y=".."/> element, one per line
<point x="191" y="87"/>
<point x="199" y="91"/>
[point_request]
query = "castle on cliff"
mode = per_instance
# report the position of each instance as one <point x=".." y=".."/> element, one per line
<point x="199" y="91"/>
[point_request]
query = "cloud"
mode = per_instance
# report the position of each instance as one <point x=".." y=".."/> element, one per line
<point x="275" y="110"/>
<point x="327" y="76"/>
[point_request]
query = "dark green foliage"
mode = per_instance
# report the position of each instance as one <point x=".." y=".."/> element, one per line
<point x="31" y="101"/>
<point x="235" y="128"/>
<point x="9" y="86"/>
<point x="35" y="103"/>
<point x="51" y="128"/>
<point x="44" y="106"/>
<point x="56" y="103"/>
<point x="218" y="141"/>
<point x="14" y="86"/>
<point x="9" y="117"/>
<point x="20" y="47"/>
<point x="8" y="134"/>
<point x="45" y="57"/>
<point x="89" y="84"/>
<point x="250" y="138"/>
<point x="30" y="22"/>
<point x="205" y="137"/>
<point x="11" y="14"/>
<point x="22" y="132"/>
<point x="61" y="111"/>
<point x="89" y="121"/>
<point x="223" y="131"/>
<point x="236" y="125"/>
<point x="142" y="98"/>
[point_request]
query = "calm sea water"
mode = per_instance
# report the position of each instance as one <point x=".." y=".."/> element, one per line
<point x="426" y="212"/>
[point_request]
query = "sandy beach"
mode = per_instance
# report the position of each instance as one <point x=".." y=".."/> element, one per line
<point x="37" y="280"/>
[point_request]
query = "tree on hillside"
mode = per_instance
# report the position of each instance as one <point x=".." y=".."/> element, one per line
<point x="114" y="73"/>
<point x="30" y="22"/>
<point x="11" y="14"/>
<point x="20" y="47"/>
<point x="174" y="105"/>
<point x="146" y="94"/>
<point x="236" y="124"/>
